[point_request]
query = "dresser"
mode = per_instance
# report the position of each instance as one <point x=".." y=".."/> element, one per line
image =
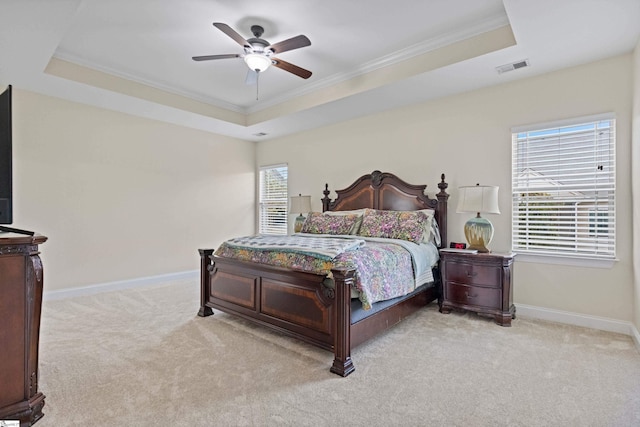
<point x="20" y="307"/>
<point x="478" y="282"/>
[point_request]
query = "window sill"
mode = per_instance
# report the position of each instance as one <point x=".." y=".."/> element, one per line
<point x="565" y="260"/>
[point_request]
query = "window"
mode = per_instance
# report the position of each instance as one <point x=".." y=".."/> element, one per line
<point x="563" y="184"/>
<point x="273" y="200"/>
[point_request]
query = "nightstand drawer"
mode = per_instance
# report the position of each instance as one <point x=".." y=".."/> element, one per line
<point x="474" y="274"/>
<point x="473" y="295"/>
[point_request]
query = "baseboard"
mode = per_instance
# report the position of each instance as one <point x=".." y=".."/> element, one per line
<point x="636" y="336"/>
<point x="119" y="285"/>
<point x="577" y="319"/>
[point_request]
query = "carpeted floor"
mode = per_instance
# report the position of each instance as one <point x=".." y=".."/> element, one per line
<point x="143" y="358"/>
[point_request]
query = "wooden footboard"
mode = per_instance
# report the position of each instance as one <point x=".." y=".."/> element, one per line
<point x="292" y="302"/>
<point x="298" y="304"/>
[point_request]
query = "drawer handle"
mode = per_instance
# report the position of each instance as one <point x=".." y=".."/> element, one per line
<point x="470" y="296"/>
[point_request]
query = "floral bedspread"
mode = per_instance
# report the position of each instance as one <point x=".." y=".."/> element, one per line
<point x="383" y="270"/>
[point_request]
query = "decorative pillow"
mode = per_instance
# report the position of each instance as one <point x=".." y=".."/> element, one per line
<point x="317" y="223"/>
<point x="406" y="225"/>
<point x="378" y="223"/>
<point x="358" y="223"/>
<point x="413" y="226"/>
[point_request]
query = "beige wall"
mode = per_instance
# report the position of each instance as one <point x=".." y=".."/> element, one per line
<point x="122" y="197"/>
<point x="635" y="152"/>
<point x="468" y="137"/>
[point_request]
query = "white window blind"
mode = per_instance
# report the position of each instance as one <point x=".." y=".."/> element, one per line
<point x="563" y="183"/>
<point x="273" y="199"/>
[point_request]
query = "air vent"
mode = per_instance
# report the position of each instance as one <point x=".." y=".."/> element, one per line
<point x="514" y="66"/>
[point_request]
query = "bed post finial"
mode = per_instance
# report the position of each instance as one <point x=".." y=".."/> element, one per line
<point x="443" y="185"/>
<point x="326" y="200"/>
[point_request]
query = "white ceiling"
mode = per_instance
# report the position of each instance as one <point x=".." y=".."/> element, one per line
<point x="135" y="55"/>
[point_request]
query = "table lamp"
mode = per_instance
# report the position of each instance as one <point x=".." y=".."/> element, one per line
<point x="480" y="199"/>
<point x="300" y="205"/>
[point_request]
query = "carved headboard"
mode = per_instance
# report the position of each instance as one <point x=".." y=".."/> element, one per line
<point x="385" y="191"/>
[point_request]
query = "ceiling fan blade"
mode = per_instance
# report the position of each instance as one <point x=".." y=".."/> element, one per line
<point x="252" y="78"/>
<point x="231" y="33"/>
<point x="209" y="57"/>
<point x="290" y="44"/>
<point x="293" y="69"/>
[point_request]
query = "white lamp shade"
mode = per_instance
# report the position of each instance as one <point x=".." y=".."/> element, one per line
<point x="478" y="198"/>
<point x="300" y="204"/>
<point x="257" y="61"/>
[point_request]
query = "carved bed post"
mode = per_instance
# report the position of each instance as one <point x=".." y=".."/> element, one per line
<point x="205" y="264"/>
<point x="326" y="201"/>
<point x="442" y="196"/>
<point x="342" y="363"/>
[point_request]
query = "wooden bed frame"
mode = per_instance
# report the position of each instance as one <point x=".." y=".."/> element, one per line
<point x="299" y="303"/>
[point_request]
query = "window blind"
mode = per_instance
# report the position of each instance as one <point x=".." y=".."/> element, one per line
<point x="563" y="183"/>
<point x="273" y="200"/>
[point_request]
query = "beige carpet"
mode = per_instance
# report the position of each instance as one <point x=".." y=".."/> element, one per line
<point x="143" y="358"/>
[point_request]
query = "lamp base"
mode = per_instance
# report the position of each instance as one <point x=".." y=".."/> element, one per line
<point x="479" y="232"/>
<point x="297" y="226"/>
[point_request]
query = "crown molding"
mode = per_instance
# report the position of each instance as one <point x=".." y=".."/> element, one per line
<point x="66" y="56"/>
<point x="387" y="60"/>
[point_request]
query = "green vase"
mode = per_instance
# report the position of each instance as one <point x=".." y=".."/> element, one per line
<point x="479" y="232"/>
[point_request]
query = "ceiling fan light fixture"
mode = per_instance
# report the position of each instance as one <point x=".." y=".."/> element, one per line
<point x="258" y="53"/>
<point x="257" y="61"/>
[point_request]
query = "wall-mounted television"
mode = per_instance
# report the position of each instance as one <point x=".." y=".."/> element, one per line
<point x="6" y="199"/>
<point x="6" y="160"/>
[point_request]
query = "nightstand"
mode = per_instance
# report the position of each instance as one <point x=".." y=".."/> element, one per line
<point x="478" y="282"/>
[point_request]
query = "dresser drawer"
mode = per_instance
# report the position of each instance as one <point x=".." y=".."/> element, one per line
<point x="474" y="274"/>
<point x="473" y="295"/>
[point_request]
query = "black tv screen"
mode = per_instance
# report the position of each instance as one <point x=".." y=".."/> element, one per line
<point x="6" y="211"/>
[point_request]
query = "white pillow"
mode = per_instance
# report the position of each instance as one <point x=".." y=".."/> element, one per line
<point x="431" y="233"/>
<point x="435" y="233"/>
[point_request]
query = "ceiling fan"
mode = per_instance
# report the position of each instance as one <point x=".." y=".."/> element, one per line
<point x="258" y="53"/>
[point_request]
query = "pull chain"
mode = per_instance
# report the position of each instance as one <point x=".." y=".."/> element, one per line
<point x="257" y="82"/>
